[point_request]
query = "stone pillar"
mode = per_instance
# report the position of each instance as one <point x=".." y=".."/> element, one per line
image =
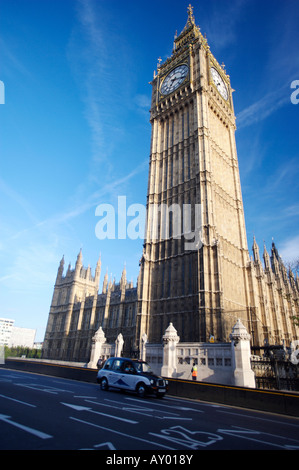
<point x="243" y="374"/>
<point x="170" y="340"/>
<point x="143" y="347"/>
<point x="119" y="343"/>
<point x="96" y="348"/>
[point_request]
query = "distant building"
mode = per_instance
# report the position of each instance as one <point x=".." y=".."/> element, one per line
<point x="6" y="326"/>
<point x="13" y="336"/>
<point x="22" y="337"/>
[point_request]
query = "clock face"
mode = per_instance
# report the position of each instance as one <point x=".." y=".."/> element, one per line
<point x="174" y="79"/>
<point x="220" y="85"/>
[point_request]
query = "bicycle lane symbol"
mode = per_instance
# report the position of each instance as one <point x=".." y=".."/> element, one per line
<point x="188" y="439"/>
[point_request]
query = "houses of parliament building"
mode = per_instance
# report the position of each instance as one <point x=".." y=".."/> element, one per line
<point x="202" y="288"/>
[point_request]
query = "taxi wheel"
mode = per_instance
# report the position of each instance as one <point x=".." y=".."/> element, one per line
<point x="141" y="391"/>
<point x="104" y="384"/>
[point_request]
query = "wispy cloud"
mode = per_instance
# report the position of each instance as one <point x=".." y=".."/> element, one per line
<point x="11" y="62"/>
<point x="264" y="107"/>
<point x="289" y="250"/>
<point x="93" y="51"/>
<point x="285" y="175"/>
<point x="88" y="56"/>
<point x="106" y="193"/>
<point x="221" y="27"/>
<point x="17" y="198"/>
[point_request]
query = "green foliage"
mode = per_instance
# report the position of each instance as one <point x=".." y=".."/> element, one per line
<point x="20" y="351"/>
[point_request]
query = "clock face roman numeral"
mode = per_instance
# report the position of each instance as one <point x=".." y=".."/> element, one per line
<point x="220" y="85"/>
<point x="174" y="79"/>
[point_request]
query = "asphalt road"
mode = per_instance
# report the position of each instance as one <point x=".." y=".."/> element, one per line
<point x="40" y="412"/>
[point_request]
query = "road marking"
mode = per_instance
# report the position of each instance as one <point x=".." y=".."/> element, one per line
<point x="255" y="417"/>
<point x="18" y="401"/>
<point x="37" y="388"/>
<point x="244" y="433"/>
<point x="45" y="388"/>
<point x="180" y="408"/>
<point x="82" y="396"/>
<point x="187" y="438"/>
<point x="35" y="432"/>
<point x="194" y="402"/>
<point x="85" y="408"/>
<point x="106" y="444"/>
<point x="121" y="433"/>
<point x="142" y="410"/>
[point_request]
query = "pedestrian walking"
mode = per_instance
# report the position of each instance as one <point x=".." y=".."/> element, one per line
<point x="194" y="371"/>
<point x="100" y="363"/>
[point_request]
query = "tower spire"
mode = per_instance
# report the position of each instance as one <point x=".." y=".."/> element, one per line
<point x="189" y="33"/>
<point x="191" y="20"/>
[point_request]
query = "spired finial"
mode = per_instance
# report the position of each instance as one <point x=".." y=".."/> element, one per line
<point x="190" y="15"/>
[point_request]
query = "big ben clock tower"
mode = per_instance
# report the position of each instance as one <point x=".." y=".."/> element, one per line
<point x="200" y="287"/>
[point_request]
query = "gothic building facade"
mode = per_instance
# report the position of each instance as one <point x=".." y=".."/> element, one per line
<point x="195" y="272"/>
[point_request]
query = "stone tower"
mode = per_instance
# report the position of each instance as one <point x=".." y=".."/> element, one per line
<point x="76" y="288"/>
<point x="193" y="268"/>
<point x="196" y="280"/>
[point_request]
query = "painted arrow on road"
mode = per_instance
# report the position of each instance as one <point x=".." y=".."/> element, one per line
<point x="35" y="432"/>
<point x="90" y="410"/>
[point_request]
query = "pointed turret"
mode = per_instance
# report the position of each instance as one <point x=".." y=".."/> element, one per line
<point x="88" y="273"/>
<point x="123" y="281"/>
<point x="61" y="265"/>
<point x="256" y="252"/>
<point x="275" y="259"/>
<point x="105" y="283"/>
<point x="60" y="269"/>
<point x="99" y="263"/>
<point x="266" y="259"/>
<point x="79" y="265"/>
<point x="190" y="21"/>
<point x="79" y="258"/>
<point x="190" y="31"/>
<point x="98" y="270"/>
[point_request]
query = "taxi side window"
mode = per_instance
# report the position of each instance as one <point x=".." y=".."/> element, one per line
<point x="117" y="365"/>
<point x="128" y="367"/>
<point x="108" y="364"/>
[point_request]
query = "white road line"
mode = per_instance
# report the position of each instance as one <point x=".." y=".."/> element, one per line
<point x="144" y="411"/>
<point x="121" y="433"/>
<point x="178" y="408"/>
<point x="35" y="432"/>
<point x="85" y="408"/>
<point x="37" y="388"/>
<point x="255" y="417"/>
<point x="83" y="396"/>
<point x="244" y="433"/>
<point x="18" y="401"/>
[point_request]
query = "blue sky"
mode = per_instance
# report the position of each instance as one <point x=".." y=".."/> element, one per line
<point x="75" y="131"/>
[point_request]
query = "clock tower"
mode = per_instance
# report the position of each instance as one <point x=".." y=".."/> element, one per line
<point x="193" y="271"/>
